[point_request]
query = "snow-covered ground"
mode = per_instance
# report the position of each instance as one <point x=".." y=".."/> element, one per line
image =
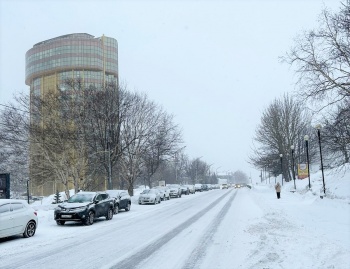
<point x="234" y="228"/>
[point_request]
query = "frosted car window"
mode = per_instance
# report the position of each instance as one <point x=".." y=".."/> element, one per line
<point x="4" y="208"/>
<point x="17" y="206"/>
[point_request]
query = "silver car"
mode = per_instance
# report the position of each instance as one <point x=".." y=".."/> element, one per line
<point x="17" y="217"/>
<point x="149" y="196"/>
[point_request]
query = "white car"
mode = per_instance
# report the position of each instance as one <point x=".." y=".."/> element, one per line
<point x="149" y="196"/>
<point x="164" y="192"/>
<point x="17" y="217"/>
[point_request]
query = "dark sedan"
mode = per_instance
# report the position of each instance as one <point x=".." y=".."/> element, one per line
<point x="85" y="207"/>
<point x="122" y="200"/>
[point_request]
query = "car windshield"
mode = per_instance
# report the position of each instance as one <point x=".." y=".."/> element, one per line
<point x="113" y="193"/>
<point x="81" y="198"/>
<point x="148" y="191"/>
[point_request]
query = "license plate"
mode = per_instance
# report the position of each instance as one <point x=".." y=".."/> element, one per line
<point x="66" y="216"/>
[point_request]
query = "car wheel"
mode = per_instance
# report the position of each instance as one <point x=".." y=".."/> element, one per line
<point x="116" y="209"/>
<point x="169" y="197"/>
<point x="30" y="229"/>
<point x="127" y="208"/>
<point x="109" y="215"/>
<point x="60" y="222"/>
<point x="155" y="201"/>
<point x="90" y="218"/>
<point x="164" y="198"/>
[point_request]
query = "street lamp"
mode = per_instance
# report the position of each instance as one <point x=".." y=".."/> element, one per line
<point x="109" y="165"/>
<point x="319" y="143"/>
<point x="293" y="169"/>
<point x="281" y="156"/>
<point x="306" y="138"/>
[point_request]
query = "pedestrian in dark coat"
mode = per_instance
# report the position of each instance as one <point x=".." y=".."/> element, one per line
<point x="278" y="190"/>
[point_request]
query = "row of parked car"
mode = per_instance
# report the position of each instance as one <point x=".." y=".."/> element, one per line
<point x="162" y="193"/>
<point x="17" y="217"/>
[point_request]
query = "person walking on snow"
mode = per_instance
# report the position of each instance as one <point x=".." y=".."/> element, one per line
<point x="278" y="190"/>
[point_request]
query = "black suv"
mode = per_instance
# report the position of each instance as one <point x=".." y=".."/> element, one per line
<point x="122" y="200"/>
<point x="85" y="207"/>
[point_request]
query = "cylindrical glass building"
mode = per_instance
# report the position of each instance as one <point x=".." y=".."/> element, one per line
<point x="94" y="61"/>
<point x="80" y="55"/>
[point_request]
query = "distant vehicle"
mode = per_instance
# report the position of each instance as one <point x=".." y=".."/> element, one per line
<point x="17" y="217"/>
<point x="205" y="187"/>
<point x="224" y="186"/>
<point x="122" y="200"/>
<point x="191" y="188"/>
<point x="175" y="190"/>
<point x="149" y="196"/>
<point x="198" y="187"/>
<point x="185" y="190"/>
<point x="85" y="207"/>
<point x="164" y="192"/>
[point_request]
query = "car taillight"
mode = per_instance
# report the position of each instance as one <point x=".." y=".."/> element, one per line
<point x="35" y="213"/>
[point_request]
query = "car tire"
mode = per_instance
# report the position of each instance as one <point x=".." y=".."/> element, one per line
<point x="110" y="214"/>
<point x="155" y="201"/>
<point x="60" y="222"/>
<point x="30" y="229"/>
<point x="127" y="208"/>
<point x="90" y="218"/>
<point x="116" y="209"/>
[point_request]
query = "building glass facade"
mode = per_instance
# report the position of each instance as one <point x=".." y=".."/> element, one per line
<point x="49" y="63"/>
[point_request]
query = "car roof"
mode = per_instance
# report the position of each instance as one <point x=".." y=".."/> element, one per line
<point x="5" y="201"/>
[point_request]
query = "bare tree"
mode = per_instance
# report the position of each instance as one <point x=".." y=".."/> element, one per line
<point x="336" y="134"/>
<point x="161" y="144"/>
<point x="322" y="58"/>
<point x="14" y="156"/>
<point x="139" y="124"/>
<point x="57" y="136"/>
<point x="196" y="171"/>
<point x="240" y="177"/>
<point x="283" y="124"/>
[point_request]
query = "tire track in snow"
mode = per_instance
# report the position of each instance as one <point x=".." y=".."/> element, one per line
<point x="198" y="253"/>
<point x="144" y="253"/>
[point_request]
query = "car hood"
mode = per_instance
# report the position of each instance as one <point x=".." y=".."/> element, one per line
<point x="147" y="195"/>
<point x="74" y="205"/>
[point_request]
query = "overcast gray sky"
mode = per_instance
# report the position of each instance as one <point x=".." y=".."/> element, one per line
<point x="213" y="64"/>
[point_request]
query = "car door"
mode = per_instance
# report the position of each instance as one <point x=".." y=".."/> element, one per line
<point x="20" y="216"/>
<point x="98" y="205"/>
<point x="123" y="201"/>
<point x="6" y="220"/>
<point x="105" y="203"/>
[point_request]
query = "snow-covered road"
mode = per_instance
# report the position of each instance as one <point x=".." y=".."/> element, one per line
<point x="235" y="228"/>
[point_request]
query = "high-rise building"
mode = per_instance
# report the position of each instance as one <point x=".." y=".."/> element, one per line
<point x="94" y="61"/>
<point x="50" y="62"/>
